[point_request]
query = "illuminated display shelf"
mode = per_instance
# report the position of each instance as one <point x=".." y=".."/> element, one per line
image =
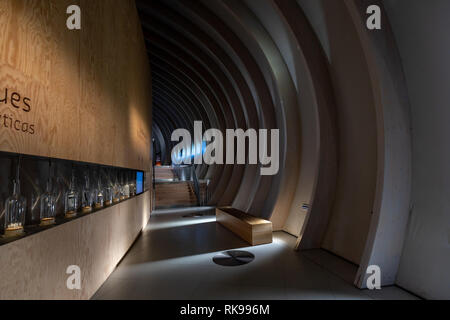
<point x="35" y="170"/>
<point x="95" y="242"/>
<point x="33" y="229"/>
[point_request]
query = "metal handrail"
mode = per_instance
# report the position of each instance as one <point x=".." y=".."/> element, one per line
<point x="188" y="173"/>
<point x="196" y="186"/>
<point x="207" y="195"/>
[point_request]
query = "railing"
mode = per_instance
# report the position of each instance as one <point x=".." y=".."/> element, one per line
<point x="188" y="173"/>
<point x="206" y="192"/>
<point x="182" y="172"/>
<point x="196" y="185"/>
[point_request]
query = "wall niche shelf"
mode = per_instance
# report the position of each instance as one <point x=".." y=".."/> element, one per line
<point x="33" y="229"/>
<point x="58" y="190"/>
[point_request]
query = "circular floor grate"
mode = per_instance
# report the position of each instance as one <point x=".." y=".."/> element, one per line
<point x="193" y="215"/>
<point x="233" y="258"/>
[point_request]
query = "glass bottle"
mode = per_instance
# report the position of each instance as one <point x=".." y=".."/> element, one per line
<point x="15" y="209"/>
<point x="108" y="195"/>
<point x="108" y="192"/>
<point x="48" y="205"/>
<point x="99" y="196"/>
<point x="86" y="196"/>
<point x="122" y="188"/>
<point x="126" y="187"/>
<point x="71" y="199"/>
<point x="132" y="187"/>
<point x="116" y="191"/>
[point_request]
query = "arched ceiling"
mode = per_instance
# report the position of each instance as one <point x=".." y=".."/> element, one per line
<point x="310" y="69"/>
<point x="215" y="62"/>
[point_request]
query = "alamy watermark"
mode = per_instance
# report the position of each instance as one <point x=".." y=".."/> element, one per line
<point x="374" y="279"/>
<point x="74" y="280"/>
<point x="374" y="19"/>
<point x="208" y="147"/>
<point x="73" y="22"/>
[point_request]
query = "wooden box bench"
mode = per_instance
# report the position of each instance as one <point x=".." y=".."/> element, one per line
<point x="254" y="230"/>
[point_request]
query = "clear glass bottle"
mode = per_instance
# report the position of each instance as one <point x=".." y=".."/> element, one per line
<point x="122" y="189"/>
<point x="108" y="195"/>
<point x="109" y="192"/>
<point x="15" y="209"/>
<point x="99" y="196"/>
<point x="132" y="186"/>
<point x="116" y="191"/>
<point x="48" y="205"/>
<point x="86" y="196"/>
<point x="71" y="199"/>
<point x="126" y="187"/>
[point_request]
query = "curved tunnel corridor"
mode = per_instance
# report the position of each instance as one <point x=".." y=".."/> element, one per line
<point x="303" y="142"/>
<point x="336" y="91"/>
<point x="216" y="62"/>
<point x="300" y="67"/>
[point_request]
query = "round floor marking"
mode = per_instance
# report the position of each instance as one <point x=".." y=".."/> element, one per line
<point x="233" y="258"/>
<point x="193" y="215"/>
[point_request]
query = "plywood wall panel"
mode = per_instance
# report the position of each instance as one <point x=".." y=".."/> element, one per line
<point x="35" y="266"/>
<point x="89" y="88"/>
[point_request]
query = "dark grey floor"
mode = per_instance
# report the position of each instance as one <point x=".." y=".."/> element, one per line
<point x="173" y="260"/>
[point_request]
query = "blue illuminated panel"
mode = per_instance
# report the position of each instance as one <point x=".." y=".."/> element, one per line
<point x="139" y="182"/>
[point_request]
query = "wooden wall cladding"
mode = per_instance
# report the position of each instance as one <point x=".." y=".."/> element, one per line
<point x="82" y="95"/>
<point x="35" y="267"/>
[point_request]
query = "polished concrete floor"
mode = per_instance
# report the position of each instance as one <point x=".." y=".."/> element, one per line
<point x="172" y="259"/>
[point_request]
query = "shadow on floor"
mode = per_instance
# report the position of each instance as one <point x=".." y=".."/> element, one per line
<point x="182" y="241"/>
<point x="173" y="260"/>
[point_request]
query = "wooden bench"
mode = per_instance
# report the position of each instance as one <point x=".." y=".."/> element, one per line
<point x="254" y="230"/>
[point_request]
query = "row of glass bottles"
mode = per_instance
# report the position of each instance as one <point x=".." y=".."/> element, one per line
<point x="91" y="198"/>
<point x="97" y="197"/>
